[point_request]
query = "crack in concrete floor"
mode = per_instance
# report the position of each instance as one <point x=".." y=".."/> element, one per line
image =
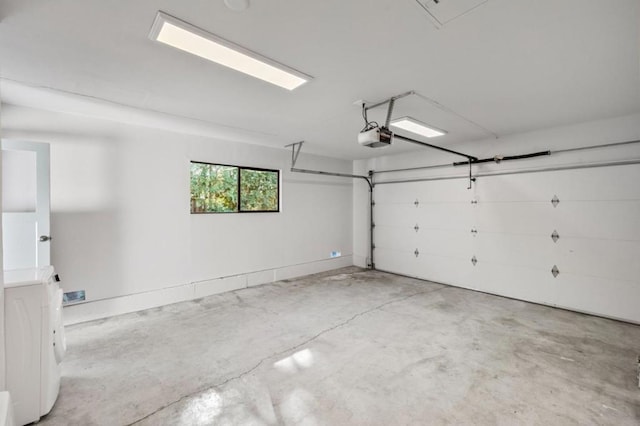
<point x="283" y="352"/>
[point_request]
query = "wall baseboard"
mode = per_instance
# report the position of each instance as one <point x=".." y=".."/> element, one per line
<point x="99" y="309"/>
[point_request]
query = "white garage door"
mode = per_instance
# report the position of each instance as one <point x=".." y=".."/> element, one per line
<point x="433" y="230"/>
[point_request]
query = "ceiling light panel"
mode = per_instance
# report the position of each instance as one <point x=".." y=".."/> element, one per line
<point x="414" y="126"/>
<point x="186" y="37"/>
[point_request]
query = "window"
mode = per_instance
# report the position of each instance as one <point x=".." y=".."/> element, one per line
<point x="218" y="188"/>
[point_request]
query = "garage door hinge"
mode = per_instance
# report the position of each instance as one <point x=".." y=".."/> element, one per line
<point x="555" y="271"/>
<point x="417" y="253"/>
<point x="416" y="202"/>
<point x="474" y="232"/>
<point x="474" y="201"/>
<point x="474" y="260"/>
<point x="555" y="236"/>
<point x="555" y="201"/>
<point x="417" y="228"/>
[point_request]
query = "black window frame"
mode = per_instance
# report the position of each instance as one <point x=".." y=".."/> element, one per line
<point x="239" y="187"/>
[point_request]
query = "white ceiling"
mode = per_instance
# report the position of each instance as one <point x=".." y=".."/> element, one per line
<point x="509" y="65"/>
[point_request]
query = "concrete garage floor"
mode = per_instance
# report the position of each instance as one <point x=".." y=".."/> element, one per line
<point x="350" y="347"/>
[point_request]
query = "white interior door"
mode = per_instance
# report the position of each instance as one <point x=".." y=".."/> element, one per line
<point x="25" y="204"/>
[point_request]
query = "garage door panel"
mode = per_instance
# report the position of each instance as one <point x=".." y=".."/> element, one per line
<point x="518" y="250"/>
<point x="605" y="183"/>
<point x="600" y="220"/>
<point x="395" y="237"/>
<point x="395" y="214"/>
<point x="532" y="284"/>
<point x="617" y="299"/>
<point x="597" y="219"/>
<point x="405" y="193"/>
<point x="509" y="188"/>
<point x="444" y="192"/>
<point x="445" y="270"/>
<point x="580" y="184"/>
<point x="436" y="192"/>
<point x="523" y="218"/>
<point x="442" y="269"/>
<point x="436" y="241"/>
<point x="447" y="216"/>
<point x="445" y="243"/>
<point x="400" y="262"/>
<point x="593" y="258"/>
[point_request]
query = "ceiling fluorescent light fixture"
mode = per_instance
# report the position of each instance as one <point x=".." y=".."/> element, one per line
<point x="184" y="36"/>
<point x="414" y="126"/>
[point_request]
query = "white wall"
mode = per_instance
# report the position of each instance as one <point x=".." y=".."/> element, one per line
<point x="597" y="220"/>
<point x="2" y="354"/>
<point x="121" y="224"/>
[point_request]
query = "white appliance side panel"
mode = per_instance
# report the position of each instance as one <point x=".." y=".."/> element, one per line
<point x="506" y="223"/>
<point x="23" y="328"/>
<point x="6" y="410"/>
<point x="51" y="328"/>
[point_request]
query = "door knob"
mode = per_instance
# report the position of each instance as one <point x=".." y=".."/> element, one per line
<point x="44" y="238"/>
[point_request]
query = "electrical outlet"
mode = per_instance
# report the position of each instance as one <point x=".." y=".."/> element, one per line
<point x="73" y="297"/>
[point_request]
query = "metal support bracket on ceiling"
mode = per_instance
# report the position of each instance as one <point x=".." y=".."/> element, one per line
<point x="391" y="103"/>
<point x="294" y="152"/>
<point x="391" y="99"/>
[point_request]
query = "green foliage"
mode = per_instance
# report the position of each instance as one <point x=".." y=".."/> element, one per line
<point x="258" y="190"/>
<point x="214" y="189"/>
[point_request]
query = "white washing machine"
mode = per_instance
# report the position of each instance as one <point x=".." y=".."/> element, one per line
<point x="35" y="343"/>
<point x="6" y="410"/>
